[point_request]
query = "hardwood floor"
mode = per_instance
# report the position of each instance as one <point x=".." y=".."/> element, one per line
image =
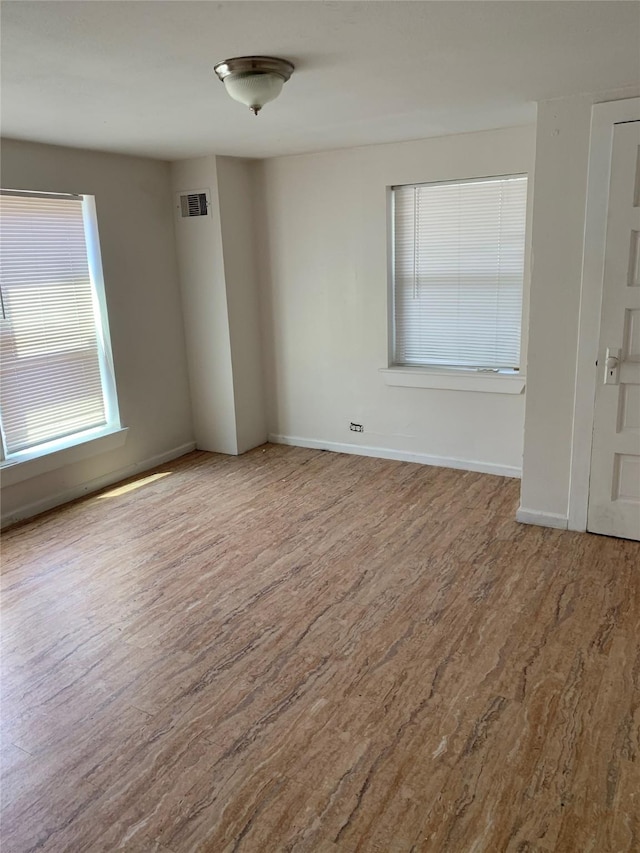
<point x="303" y="651"/>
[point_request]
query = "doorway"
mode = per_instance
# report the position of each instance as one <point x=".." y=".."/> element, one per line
<point x="605" y="476"/>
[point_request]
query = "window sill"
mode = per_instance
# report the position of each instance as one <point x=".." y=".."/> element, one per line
<point x="454" y="379"/>
<point x="32" y="463"/>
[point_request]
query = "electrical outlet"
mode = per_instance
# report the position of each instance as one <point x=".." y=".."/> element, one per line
<point x="356" y="427"/>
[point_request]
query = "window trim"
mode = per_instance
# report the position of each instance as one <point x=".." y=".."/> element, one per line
<point x="94" y="258"/>
<point x="453" y="377"/>
<point x="60" y="453"/>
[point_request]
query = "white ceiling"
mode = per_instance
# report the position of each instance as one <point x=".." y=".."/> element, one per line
<point x="136" y="77"/>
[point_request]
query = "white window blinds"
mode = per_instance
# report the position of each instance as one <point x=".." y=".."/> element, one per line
<point x="458" y="271"/>
<point x="50" y="372"/>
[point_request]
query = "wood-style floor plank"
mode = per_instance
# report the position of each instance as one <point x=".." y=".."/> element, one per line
<point x="300" y="651"/>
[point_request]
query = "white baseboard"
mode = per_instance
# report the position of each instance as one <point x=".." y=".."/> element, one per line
<point x="400" y="455"/>
<point x="94" y="485"/>
<point x="543" y="519"/>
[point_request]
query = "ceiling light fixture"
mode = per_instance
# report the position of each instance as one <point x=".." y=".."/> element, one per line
<point x="254" y="80"/>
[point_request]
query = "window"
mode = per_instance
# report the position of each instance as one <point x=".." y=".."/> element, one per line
<point x="56" y="374"/>
<point x="458" y="273"/>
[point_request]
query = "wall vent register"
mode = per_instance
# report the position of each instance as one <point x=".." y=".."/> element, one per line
<point x="193" y="204"/>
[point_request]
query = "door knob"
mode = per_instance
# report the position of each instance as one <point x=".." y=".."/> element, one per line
<point x="612" y="367"/>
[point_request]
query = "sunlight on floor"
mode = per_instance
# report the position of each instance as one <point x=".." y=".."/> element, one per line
<point x="130" y="487"/>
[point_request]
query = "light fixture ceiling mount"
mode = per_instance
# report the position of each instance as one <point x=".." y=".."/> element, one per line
<point x="254" y="80"/>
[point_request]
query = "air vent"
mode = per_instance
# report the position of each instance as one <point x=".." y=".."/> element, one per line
<point x="193" y="204"/>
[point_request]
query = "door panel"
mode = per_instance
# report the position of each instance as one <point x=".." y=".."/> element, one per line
<point x="634" y="260"/>
<point x="614" y="489"/>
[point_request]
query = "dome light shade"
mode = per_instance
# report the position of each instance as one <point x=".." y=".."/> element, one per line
<point x="254" y="90"/>
<point x="254" y="80"/>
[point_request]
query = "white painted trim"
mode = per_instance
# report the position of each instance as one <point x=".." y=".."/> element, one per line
<point x="543" y="519"/>
<point x="400" y="455"/>
<point x="603" y="118"/>
<point x="25" y="466"/>
<point x="451" y="379"/>
<point x="95" y="485"/>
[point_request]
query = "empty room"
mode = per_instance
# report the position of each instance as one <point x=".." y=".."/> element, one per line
<point x="320" y="426"/>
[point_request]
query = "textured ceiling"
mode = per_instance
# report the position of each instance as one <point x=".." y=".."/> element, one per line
<point x="136" y="77"/>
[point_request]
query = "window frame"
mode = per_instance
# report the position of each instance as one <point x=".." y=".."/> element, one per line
<point x="452" y="377"/>
<point x="22" y="464"/>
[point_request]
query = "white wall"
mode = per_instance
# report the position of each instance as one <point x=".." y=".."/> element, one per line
<point x="204" y="299"/>
<point x="322" y="236"/>
<point x="220" y="299"/>
<point x="560" y="187"/>
<point x="236" y="195"/>
<point x="324" y="286"/>
<point x="134" y="210"/>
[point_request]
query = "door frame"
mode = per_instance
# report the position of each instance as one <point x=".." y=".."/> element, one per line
<point x="603" y="118"/>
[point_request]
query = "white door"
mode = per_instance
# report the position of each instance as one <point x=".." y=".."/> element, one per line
<point x="614" y="488"/>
